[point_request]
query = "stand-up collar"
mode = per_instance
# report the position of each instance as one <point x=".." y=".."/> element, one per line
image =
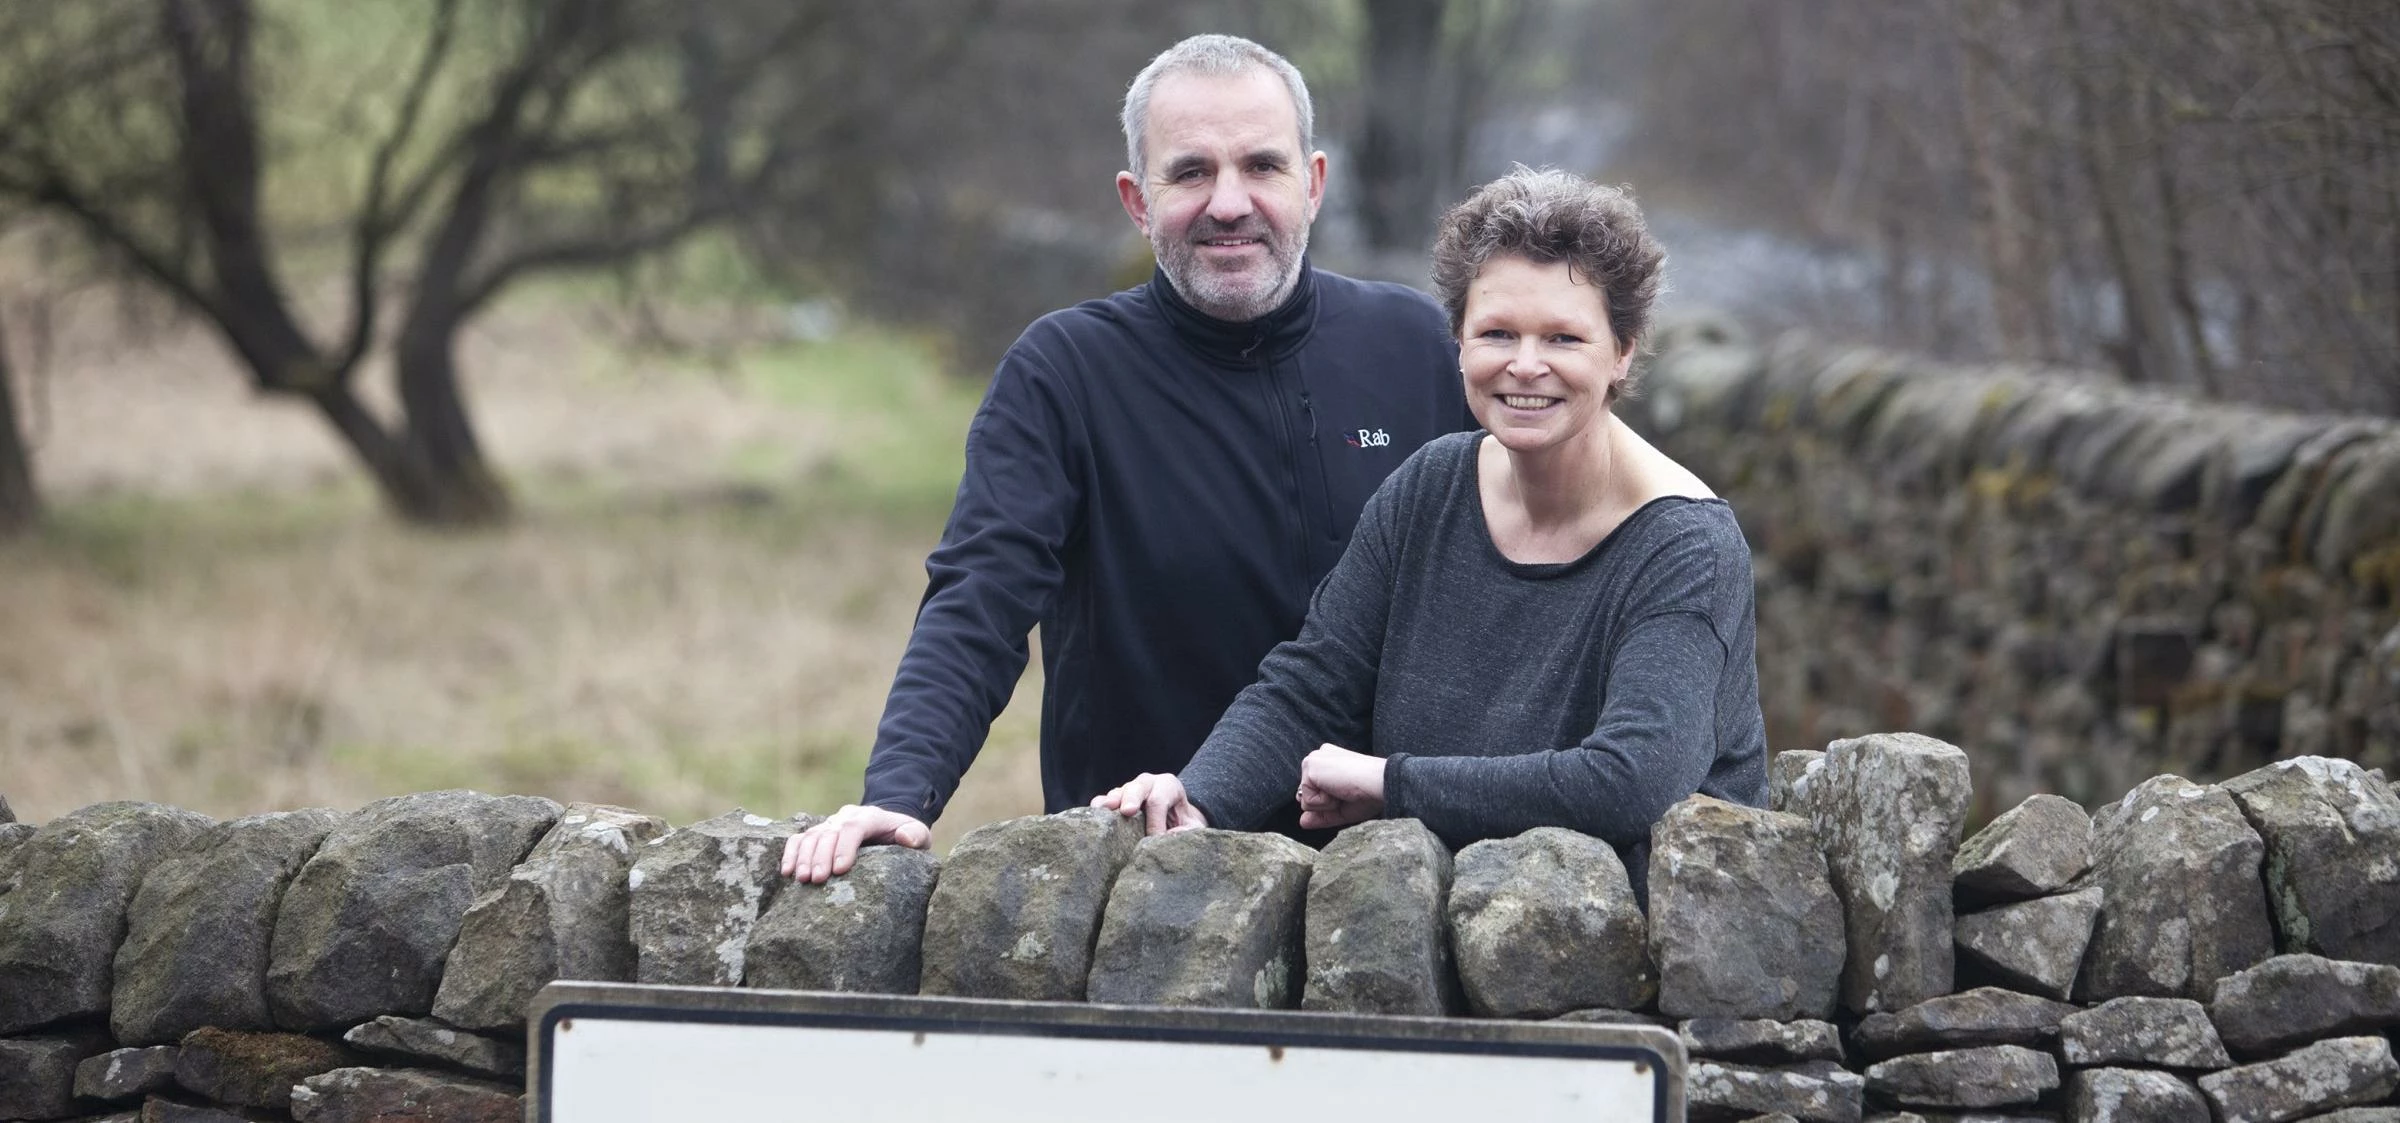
<point x="1270" y="336"/>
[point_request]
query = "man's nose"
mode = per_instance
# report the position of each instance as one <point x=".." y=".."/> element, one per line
<point x="1229" y="199"/>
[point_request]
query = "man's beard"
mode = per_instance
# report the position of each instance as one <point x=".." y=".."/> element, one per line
<point x="1233" y="297"/>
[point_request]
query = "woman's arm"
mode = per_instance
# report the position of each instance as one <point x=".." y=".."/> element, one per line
<point x="1654" y="744"/>
<point x="1316" y="688"/>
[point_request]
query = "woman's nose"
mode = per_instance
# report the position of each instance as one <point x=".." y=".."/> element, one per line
<point x="1526" y="360"/>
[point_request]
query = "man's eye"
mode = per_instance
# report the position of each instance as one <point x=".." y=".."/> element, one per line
<point x="1187" y="175"/>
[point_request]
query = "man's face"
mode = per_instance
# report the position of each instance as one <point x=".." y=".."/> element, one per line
<point x="1227" y="195"/>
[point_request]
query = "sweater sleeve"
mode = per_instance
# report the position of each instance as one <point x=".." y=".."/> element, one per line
<point x="1653" y="744"/>
<point x="1312" y="689"/>
<point x="996" y="572"/>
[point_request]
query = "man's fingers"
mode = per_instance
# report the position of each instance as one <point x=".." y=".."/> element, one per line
<point x="845" y="847"/>
<point x="791" y="854"/>
<point x="804" y="855"/>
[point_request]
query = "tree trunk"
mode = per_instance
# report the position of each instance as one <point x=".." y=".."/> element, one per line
<point x="1396" y="157"/>
<point x="20" y="504"/>
<point x="456" y="485"/>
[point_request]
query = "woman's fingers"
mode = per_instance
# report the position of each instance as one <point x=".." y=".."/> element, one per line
<point x="1164" y="802"/>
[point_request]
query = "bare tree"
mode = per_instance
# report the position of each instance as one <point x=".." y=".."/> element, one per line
<point x="1434" y="72"/>
<point x="516" y="138"/>
<point x="2198" y="192"/>
<point x="20" y="503"/>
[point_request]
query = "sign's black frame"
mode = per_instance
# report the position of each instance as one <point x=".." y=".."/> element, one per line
<point x="559" y="1004"/>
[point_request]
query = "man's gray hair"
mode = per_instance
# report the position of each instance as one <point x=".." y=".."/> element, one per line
<point x="1216" y="56"/>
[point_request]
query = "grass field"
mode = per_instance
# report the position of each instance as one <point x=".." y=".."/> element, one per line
<point x="700" y="607"/>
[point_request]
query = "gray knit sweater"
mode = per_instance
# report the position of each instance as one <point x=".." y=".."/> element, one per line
<point x="1591" y="694"/>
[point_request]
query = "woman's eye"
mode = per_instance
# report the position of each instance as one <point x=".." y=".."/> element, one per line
<point x="1564" y="339"/>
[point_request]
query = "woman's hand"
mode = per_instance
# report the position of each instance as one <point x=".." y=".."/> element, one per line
<point x="1157" y="797"/>
<point x="1339" y="787"/>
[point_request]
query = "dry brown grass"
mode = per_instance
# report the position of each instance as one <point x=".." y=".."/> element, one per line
<point x="700" y="609"/>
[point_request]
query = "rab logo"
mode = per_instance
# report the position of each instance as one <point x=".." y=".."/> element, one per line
<point x="1369" y="438"/>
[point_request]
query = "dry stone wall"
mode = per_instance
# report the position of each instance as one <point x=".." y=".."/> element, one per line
<point x="2083" y="584"/>
<point x="2193" y="952"/>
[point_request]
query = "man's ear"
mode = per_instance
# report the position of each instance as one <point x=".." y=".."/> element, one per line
<point x="1316" y="183"/>
<point x="1137" y="208"/>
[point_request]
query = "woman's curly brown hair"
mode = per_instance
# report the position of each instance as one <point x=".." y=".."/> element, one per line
<point x="1547" y="216"/>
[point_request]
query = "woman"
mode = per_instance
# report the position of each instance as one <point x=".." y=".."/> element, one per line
<point x="1549" y="623"/>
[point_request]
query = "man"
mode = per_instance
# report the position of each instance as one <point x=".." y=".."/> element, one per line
<point x="1158" y="479"/>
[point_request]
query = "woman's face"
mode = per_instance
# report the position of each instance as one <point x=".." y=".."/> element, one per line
<point x="1537" y="353"/>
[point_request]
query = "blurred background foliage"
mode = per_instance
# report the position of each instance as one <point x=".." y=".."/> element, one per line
<point x="684" y="302"/>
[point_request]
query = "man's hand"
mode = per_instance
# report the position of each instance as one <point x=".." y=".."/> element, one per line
<point x="830" y="848"/>
<point x="1339" y="787"/>
<point x="1157" y="797"/>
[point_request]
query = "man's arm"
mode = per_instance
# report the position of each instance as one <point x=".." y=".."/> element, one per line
<point x="996" y="572"/>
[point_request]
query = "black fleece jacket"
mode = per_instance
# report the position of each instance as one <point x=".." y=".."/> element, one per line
<point x="1161" y="492"/>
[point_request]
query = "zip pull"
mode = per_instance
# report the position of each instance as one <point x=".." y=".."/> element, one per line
<point x="1311" y="412"/>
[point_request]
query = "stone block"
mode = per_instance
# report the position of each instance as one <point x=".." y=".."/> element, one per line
<point x="1789" y="780"/>
<point x="1759" y="1041"/>
<point x="61" y="923"/>
<point x="383" y="1095"/>
<point x="1990" y="1076"/>
<point x="859" y="932"/>
<point x="2361" y="507"/>
<point x="159" y="1109"/>
<point x="2184" y="905"/>
<point x="1984" y="1016"/>
<point x="2290" y="1000"/>
<point x="1611" y="1016"/>
<point x="1819" y="1092"/>
<point x="1889" y="819"/>
<point x="1377" y="934"/>
<point x="2132" y="1095"/>
<point x="2332" y="833"/>
<point x="366" y="925"/>
<point x="199" y="932"/>
<point x="562" y="913"/>
<point x="1744" y="922"/>
<point x="2031" y="850"/>
<point x="12" y="837"/>
<point x="2157" y="1032"/>
<point x="1019" y="903"/>
<point x="126" y="1074"/>
<point x="253" y="1069"/>
<point x="37" y="1073"/>
<point x="2153" y="657"/>
<point x="2341" y="1072"/>
<point x="428" y="1039"/>
<point x="694" y="893"/>
<point x="2035" y="946"/>
<point x="1544" y="923"/>
<point x="1205" y="918"/>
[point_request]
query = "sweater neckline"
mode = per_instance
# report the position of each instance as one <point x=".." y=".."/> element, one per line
<point x="1271" y="336"/>
<point x="1543" y="570"/>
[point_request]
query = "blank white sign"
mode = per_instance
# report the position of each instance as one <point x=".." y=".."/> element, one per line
<point x="998" y="1063"/>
